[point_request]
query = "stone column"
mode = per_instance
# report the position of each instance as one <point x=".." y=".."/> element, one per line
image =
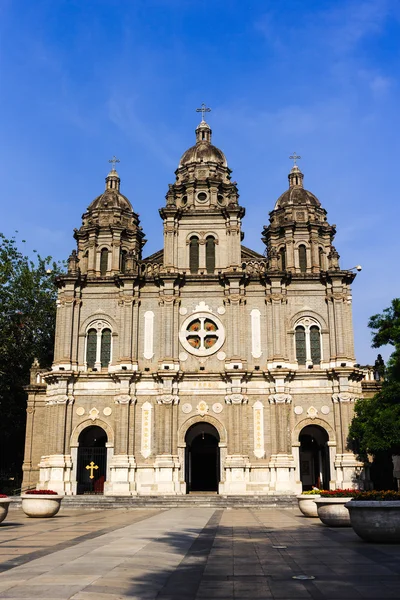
<point x="126" y="305"/>
<point x="278" y="302"/>
<point x="69" y="303"/>
<point x="92" y="255"/>
<point x="75" y="333"/>
<point x="282" y="463"/>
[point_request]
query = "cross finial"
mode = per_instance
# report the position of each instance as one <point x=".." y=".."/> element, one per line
<point x="294" y="158"/>
<point x="114" y="160"/>
<point x="203" y="110"/>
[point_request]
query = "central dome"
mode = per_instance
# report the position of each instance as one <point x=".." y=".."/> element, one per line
<point x="203" y="151"/>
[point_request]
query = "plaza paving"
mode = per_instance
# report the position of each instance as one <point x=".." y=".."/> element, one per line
<point x="190" y="553"/>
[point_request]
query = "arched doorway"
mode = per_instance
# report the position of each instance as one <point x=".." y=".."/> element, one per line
<point x="314" y="458"/>
<point x="202" y="472"/>
<point x="92" y="460"/>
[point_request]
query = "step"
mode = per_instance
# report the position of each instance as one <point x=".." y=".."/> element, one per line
<point x="101" y="502"/>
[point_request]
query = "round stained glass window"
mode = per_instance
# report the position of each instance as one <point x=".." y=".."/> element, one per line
<point x="202" y="334"/>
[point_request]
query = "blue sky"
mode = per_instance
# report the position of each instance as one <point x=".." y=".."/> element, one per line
<point x="82" y="80"/>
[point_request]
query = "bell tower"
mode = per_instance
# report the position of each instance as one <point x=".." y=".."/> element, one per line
<point x="110" y="240"/>
<point x="299" y="238"/>
<point x="202" y="216"/>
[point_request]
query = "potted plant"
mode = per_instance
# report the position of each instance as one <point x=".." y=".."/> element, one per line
<point x="307" y="504"/>
<point x="4" y="504"/>
<point x="331" y="507"/>
<point x="41" y="503"/>
<point x="375" y="516"/>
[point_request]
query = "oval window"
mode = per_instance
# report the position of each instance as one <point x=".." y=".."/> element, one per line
<point x="202" y="197"/>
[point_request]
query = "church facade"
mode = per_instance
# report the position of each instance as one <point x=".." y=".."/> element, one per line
<point x="206" y="366"/>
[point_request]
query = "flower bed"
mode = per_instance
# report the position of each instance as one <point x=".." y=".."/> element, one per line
<point x="307" y="504"/>
<point x="339" y="493"/>
<point x="375" y="516"/>
<point x="381" y="496"/>
<point x="42" y="492"/>
<point x="41" y="503"/>
<point x="331" y="507"/>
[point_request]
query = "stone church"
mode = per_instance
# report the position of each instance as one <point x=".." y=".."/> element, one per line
<point x="205" y="367"/>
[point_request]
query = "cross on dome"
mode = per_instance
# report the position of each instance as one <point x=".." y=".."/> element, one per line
<point x="203" y="110"/>
<point x="114" y="160"/>
<point x="294" y="158"/>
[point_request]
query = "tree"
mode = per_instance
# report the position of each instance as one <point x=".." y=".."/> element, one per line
<point x="387" y="326"/>
<point x="27" y="324"/>
<point x="375" y="427"/>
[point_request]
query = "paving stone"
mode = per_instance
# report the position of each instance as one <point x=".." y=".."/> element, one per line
<point x="191" y="553"/>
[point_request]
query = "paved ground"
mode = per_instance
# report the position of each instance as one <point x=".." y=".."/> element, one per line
<point x="190" y="553"/>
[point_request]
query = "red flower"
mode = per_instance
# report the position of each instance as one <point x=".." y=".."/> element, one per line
<point x="43" y="492"/>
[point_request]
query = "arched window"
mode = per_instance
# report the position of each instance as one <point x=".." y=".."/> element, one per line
<point x="194" y="254"/>
<point x="210" y="254"/>
<point x="308" y="342"/>
<point x="103" y="262"/>
<point x="282" y="256"/>
<point x="321" y="258"/>
<point x="301" y="353"/>
<point x="315" y="344"/>
<point x="303" y="258"/>
<point x="98" y="345"/>
<point x="91" y="348"/>
<point x="122" y="261"/>
<point x="105" y="353"/>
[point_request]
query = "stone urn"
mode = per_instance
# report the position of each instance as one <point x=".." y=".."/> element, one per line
<point x="41" y="505"/>
<point x="333" y="512"/>
<point x="4" y="504"/>
<point x="376" y="520"/>
<point x="307" y="504"/>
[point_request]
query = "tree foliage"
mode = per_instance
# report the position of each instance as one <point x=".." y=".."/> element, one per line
<point x="387" y="326"/>
<point x="27" y="323"/>
<point x="376" y="425"/>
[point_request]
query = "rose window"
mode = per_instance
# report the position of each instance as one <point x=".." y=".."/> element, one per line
<point x="202" y="334"/>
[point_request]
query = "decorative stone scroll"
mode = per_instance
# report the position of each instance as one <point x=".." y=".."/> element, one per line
<point x="168" y="399"/>
<point x="122" y="399"/>
<point x="145" y="448"/>
<point x="255" y="333"/>
<point x="280" y="399"/>
<point x="258" y="419"/>
<point x="344" y="397"/>
<point x="236" y="399"/>
<point x="148" y="334"/>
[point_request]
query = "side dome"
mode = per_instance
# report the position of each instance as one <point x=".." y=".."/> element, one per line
<point x="111" y="197"/>
<point x="203" y="151"/>
<point x="296" y="194"/>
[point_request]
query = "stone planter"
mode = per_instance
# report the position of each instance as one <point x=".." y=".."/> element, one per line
<point x="332" y="511"/>
<point x="4" y="504"/>
<point x="307" y="504"/>
<point x="376" y="520"/>
<point x="41" y="505"/>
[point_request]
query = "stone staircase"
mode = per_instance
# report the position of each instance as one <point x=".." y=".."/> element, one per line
<point x="190" y="500"/>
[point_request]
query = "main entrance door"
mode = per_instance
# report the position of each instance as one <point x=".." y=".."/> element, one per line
<point x="92" y="460"/>
<point x="314" y="458"/>
<point x="202" y="458"/>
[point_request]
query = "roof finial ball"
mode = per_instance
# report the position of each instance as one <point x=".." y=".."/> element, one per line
<point x="203" y="131"/>
<point x="295" y="176"/>
<point x="112" y="179"/>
